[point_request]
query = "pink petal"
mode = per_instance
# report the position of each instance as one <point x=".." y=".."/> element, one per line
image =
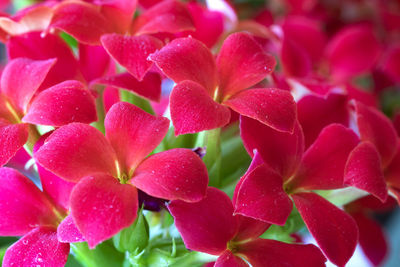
<point x="316" y="112"/>
<point x="56" y="188"/>
<point x="364" y="171"/>
<point x="66" y="102"/>
<point x="39" y="247"/>
<point x="372" y="239"/>
<point x="334" y="230"/>
<point x="376" y="128"/>
<point x="391" y="63"/>
<point x="207" y="225"/>
<point x="67" y="232"/>
<point x="61" y="156"/>
<point x="209" y="24"/>
<point x="324" y="162"/>
<point x="281" y="151"/>
<point x="352" y="51"/>
<point x="261" y="197"/>
<point x="101" y="207"/>
<point x="94" y="61"/>
<point x="250" y="228"/>
<point x="187" y="59"/>
<point x="392" y="172"/>
<point x="264" y="252"/>
<point x="173" y="174"/>
<point x="35" y="46"/>
<point x="273" y="107"/>
<point x="133" y="133"/>
<point x="149" y="87"/>
<point x="295" y="60"/>
<point x="22" y="205"/>
<point x="242" y="63"/>
<point x="228" y="259"/>
<point x="22" y="77"/>
<point x="81" y="20"/>
<point x="12" y="138"/>
<point x="193" y="110"/>
<point x="168" y="16"/>
<point x="131" y="52"/>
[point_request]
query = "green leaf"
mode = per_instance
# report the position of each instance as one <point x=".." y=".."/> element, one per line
<point x="104" y="255"/>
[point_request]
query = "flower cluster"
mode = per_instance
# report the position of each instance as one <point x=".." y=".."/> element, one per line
<point x="183" y="133"/>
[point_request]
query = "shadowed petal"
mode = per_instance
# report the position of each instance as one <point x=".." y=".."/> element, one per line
<point x="173" y="174"/>
<point x="228" y="259"/>
<point x="12" y="138"/>
<point x="334" y="230"/>
<point x="101" y="207"/>
<point x="207" y="225"/>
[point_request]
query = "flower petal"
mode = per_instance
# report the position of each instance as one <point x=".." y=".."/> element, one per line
<point x="56" y="188"/>
<point x="39" y="247"/>
<point x="22" y="77"/>
<point x="35" y="46"/>
<point x="334" y="230"/>
<point x="22" y="205"/>
<point x="265" y="252"/>
<point x="261" y="197"/>
<point x="133" y="133"/>
<point x="82" y="20"/>
<point x="77" y="150"/>
<point x="132" y="52"/>
<point x="12" y="138"/>
<point x="167" y="16"/>
<point x="207" y="225"/>
<point x="372" y="239"/>
<point x="193" y="110"/>
<point x="250" y="228"/>
<point x="364" y="171"/>
<point x="273" y="107"/>
<point x="187" y="59"/>
<point x="316" y="112"/>
<point x="392" y="172"/>
<point x="149" y="87"/>
<point x="376" y="128"/>
<point x="61" y="104"/>
<point x="101" y="207"/>
<point x="67" y="232"/>
<point x="281" y="151"/>
<point x="352" y="51"/>
<point x="173" y="174"/>
<point x="94" y="61"/>
<point x="324" y="162"/>
<point x="228" y="259"/>
<point x="242" y="63"/>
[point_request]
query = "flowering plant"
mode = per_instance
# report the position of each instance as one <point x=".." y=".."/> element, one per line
<point x="183" y="133"/>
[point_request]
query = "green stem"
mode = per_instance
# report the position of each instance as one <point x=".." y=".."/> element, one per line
<point x="138" y="101"/>
<point x="212" y="159"/>
<point x="99" y="124"/>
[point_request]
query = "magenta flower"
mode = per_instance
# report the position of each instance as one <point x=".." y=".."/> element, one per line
<point x="26" y="211"/>
<point x="282" y="171"/>
<point x="20" y="103"/>
<point x="209" y="226"/>
<point x="206" y="88"/>
<point x="109" y="169"/>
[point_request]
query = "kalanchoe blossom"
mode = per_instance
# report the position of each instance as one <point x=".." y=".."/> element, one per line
<point x="283" y="172"/>
<point x="205" y="88"/>
<point x="27" y="211"/>
<point x="109" y="169"/>
<point x="63" y="103"/>
<point x="209" y="226"/>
